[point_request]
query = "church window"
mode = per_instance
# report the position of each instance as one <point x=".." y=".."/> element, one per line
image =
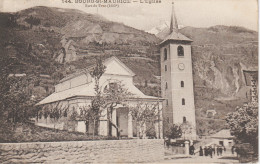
<point x="183" y="101"/>
<point x="165" y="54"/>
<point x="180" y="51"/>
<point x="167" y="102"/>
<point x="182" y="83"/>
<point x="111" y="88"/>
<point x="165" y="68"/>
<point x="184" y="120"/>
<point x="166" y="85"/>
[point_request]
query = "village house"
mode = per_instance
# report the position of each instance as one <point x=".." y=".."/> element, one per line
<point x="76" y="91"/>
<point x="251" y="80"/>
<point x="223" y="138"/>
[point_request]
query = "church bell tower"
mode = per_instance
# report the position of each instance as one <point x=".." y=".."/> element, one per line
<point x="177" y="79"/>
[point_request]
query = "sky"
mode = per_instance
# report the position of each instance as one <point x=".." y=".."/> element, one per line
<point x="145" y="16"/>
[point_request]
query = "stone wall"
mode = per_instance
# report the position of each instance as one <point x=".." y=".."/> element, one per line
<point x="138" y="150"/>
<point x="176" y="150"/>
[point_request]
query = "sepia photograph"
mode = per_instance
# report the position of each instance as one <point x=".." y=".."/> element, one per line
<point x="129" y="81"/>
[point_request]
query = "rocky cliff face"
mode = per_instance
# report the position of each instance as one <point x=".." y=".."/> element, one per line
<point x="223" y="70"/>
<point x="220" y="54"/>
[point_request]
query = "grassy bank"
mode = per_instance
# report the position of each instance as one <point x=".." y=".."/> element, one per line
<point x="28" y="132"/>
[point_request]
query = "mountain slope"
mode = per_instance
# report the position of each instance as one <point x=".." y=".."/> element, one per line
<point x="57" y="42"/>
<point x="67" y="36"/>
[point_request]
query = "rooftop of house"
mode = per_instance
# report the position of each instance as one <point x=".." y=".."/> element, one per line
<point x="224" y="134"/>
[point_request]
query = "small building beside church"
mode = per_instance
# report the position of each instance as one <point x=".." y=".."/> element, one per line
<point x="223" y="138"/>
<point x="76" y="91"/>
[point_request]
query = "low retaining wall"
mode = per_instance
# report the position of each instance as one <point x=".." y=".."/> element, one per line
<point x="83" y="151"/>
<point x="176" y="150"/>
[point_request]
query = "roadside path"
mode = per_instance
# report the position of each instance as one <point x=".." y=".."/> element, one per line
<point x="225" y="158"/>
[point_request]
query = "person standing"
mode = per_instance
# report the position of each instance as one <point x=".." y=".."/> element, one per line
<point x="201" y="151"/>
<point x="210" y="151"/>
<point x="220" y="150"/>
<point x="206" y="151"/>
<point x="192" y="148"/>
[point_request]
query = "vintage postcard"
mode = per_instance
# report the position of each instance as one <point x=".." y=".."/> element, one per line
<point x="128" y="81"/>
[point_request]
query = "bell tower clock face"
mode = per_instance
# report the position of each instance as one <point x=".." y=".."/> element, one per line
<point x="181" y="66"/>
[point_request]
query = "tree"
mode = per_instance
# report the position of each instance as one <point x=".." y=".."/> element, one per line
<point x="144" y="113"/>
<point x="173" y="131"/>
<point x="114" y="94"/>
<point x="57" y="110"/>
<point x="89" y="115"/>
<point x="5" y="69"/>
<point x="18" y="101"/>
<point x="32" y="21"/>
<point x="95" y="110"/>
<point x="244" y="124"/>
<point x="54" y="111"/>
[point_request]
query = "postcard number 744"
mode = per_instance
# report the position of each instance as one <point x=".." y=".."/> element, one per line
<point x="67" y="1"/>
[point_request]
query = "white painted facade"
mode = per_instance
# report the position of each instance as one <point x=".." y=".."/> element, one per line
<point x="176" y="111"/>
<point x="76" y="91"/>
<point x="223" y="138"/>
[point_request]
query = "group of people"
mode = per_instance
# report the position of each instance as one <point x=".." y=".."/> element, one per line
<point x="210" y="151"/>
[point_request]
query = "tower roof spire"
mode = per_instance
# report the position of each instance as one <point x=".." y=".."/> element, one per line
<point x="174" y="23"/>
<point x="175" y="35"/>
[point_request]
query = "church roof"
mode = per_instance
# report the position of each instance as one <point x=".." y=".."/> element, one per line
<point x="69" y="93"/>
<point x="88" y="69"/>
<point x="87" y="90"/>
<point x="175" y="35"/>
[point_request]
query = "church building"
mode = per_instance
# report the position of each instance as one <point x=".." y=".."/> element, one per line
<point x="76" y="91"/>
<point x="177" y="79"/>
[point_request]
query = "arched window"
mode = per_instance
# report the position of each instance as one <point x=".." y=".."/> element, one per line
<point x="165" y="54"/>
<point x="111" y="88"/>
<point x="165" y="68"/>
<point x="184" y="120"/>
<point x="166" y="85"/>
<point x="180" y="51"/>
<point x="182" y="83"/>
<point x="183" y="101"/>
<point x="167" y="102"/>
